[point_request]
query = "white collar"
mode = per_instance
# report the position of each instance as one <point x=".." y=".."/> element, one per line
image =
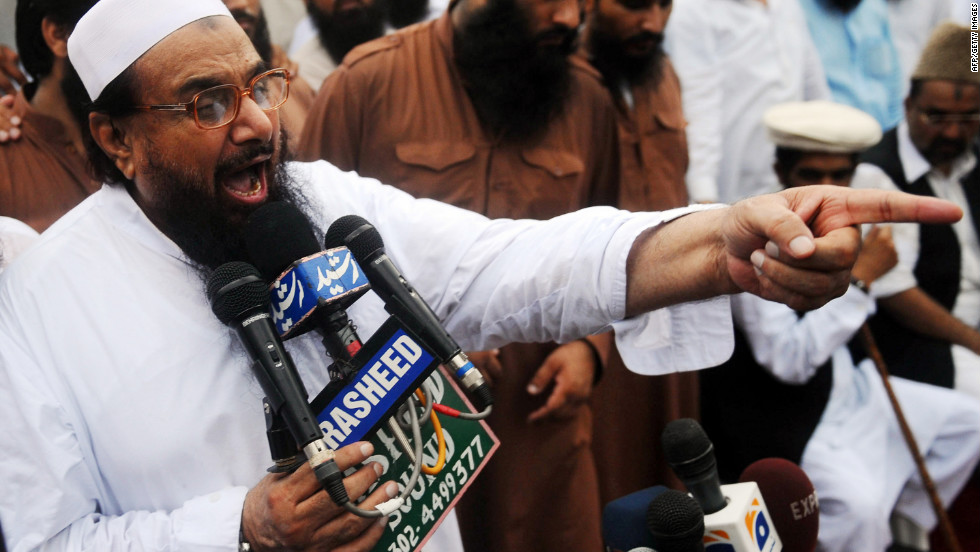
<point x="913" y="164"/>
<point x="123" y="213"/>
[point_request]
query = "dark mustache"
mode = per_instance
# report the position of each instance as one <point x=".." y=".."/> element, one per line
<point x="560" y="32"/>
<point x="236" y="161"/>
<point x="645" y="36"/>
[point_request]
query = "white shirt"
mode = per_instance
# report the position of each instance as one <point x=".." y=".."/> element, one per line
<point x="735" y="59"/>
<point x="901" y="278"/>
<point x="912" y="21"/>
<point x="133" y="421"/>
<point x="15" y="237"/>
<point x="792" y="348"/>
<point x="856" y="457"/>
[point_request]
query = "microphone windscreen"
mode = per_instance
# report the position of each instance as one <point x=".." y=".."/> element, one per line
<point x="278" y="234"/>
<point x="687" y="447"/>
<point x="791" y="500"/>
<point x="676" y="522"/>
<point x="235" y="290"/>
<point x="363" y="243"/>
<point x="341" y="228"/>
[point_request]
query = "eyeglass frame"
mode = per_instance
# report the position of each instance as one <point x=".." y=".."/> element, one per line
<point x="249" y="91"/>
<point x="938" y="120"/>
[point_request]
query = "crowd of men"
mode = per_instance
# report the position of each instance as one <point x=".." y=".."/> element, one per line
<point x="568" y="145"/>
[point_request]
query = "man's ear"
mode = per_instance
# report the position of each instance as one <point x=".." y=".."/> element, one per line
<point x="56" y="37"/>
<point x="114" y="141"/>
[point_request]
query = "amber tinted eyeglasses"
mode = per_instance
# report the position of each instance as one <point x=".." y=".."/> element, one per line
<point x="218" y="106"/>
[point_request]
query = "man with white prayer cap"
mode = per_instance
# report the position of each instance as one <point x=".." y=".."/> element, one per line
<point x="134" y="422"/>
<point x="818" y="142"/>
<point x="794" y="381"/>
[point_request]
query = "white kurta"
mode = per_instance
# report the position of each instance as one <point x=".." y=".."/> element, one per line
<point x="856" y="458"/>
<point x="132" y="421"/>
<point x="735" y="59"/>
<point x="15" y="237"/>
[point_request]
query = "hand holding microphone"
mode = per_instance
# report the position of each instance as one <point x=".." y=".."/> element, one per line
<point x="287" y="511"/>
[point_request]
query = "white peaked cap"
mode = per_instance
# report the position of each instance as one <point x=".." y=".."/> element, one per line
<point x="115" y="33"/>
<point x="821" y="126"/>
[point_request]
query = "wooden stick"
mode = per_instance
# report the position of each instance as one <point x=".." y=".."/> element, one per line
<point x="937" y="505"/>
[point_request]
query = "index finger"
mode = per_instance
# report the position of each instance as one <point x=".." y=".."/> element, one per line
<point x="847" y="207"/>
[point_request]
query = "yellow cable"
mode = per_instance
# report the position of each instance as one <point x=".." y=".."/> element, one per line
<point x="437" y="427"/>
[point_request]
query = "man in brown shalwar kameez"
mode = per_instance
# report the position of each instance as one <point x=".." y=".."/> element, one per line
<point x="486" y="109"/>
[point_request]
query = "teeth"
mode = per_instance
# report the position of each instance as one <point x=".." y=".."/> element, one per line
<point x="255" y="182"/>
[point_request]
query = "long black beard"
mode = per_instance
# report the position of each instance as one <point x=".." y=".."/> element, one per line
<point x="844" y="6"/>
<point x="516" y="85"/>
<point x="608" y="55"/>
<point x="402" y="13"/>
<point x="205" y="224"/>
<point x="340" y="32"/>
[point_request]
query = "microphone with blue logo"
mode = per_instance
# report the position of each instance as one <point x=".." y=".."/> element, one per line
<point x="735" y="516"/>
<point x="405" y="304"/>
<point x="310" y="288"/>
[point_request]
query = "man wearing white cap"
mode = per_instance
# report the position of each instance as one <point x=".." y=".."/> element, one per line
<point x="794" y="382"/>
<point x="931" y="314"/>
<point x="134" y="407"/>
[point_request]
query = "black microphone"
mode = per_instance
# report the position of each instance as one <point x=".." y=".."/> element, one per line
<point x="676" y="523"/>
<point x="735" y="516"/>
<point x="691" y="455"/>
<point x="240" y="298"/>
<point x="278" y="235"/>
<point x="404" y="302"/>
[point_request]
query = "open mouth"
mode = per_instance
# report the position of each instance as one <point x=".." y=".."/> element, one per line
<point x="248" y="184"/>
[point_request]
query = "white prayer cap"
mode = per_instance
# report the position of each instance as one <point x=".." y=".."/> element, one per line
<point x="821" y="126"/>
<point x="115" y="33"/>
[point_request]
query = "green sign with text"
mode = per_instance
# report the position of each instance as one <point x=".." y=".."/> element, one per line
<point x="469" y="444"/>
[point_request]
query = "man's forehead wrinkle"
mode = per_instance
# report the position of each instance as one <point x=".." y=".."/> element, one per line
<point x="202" y="54"/>
<point x="941" y="95"/>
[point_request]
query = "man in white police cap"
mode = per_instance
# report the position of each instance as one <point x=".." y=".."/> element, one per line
<point x="793" y="380"/>
<point x="134" y="422"/>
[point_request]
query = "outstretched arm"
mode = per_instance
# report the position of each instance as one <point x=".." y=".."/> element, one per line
<point x="796" y="247"/>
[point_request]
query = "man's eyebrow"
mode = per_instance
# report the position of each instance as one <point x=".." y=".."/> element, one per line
<point x="260" y="67"/>
<point x="197" y="84"/>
